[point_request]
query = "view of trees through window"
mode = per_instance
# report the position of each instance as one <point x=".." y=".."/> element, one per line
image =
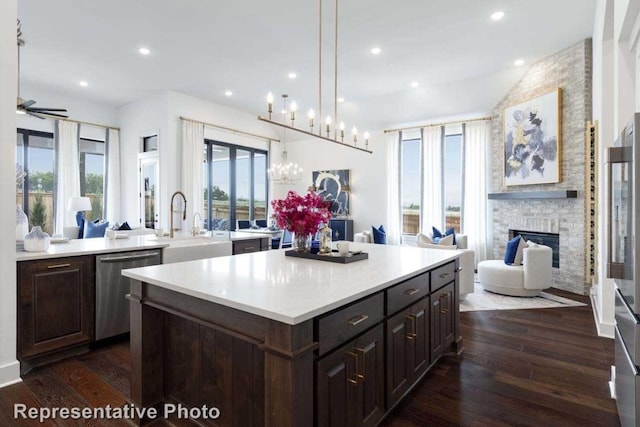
<point x="235" y="185"/>
<point x="411" y="183"/>
<point x="35" y="153"/>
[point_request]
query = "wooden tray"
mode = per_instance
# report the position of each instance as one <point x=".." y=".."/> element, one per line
<point x="334" y="257"/>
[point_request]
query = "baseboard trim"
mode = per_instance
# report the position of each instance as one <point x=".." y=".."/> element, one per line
<point x="605" y="330"/>
<point x="10" y="374"/>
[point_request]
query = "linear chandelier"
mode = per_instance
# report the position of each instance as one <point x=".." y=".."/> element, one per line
<point x="335" y="134"/>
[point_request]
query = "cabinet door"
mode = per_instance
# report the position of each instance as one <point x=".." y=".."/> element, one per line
<point x="448" y="313"/>
<point x="369" y="350"/>
<point x="442" y="314"/>
<point x="55" y="304"/>
<point x="398" y="370"/>
<point x="350" y="383"/>
<point x="407" y="348"/>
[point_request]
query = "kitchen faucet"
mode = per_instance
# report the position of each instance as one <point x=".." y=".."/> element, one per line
<point x="195" y="230"/>
<point x="184" y="212"/>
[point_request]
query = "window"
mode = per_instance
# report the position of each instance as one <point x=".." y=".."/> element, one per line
<point x="35" y="152"/>
<point x="150" y="143"/>
<point x="453" y="178"/>
<point x="92" y="170"/>
<point x="411" y="183"/>
<point x="411" y="188"/>
<point x="235" y="185"/>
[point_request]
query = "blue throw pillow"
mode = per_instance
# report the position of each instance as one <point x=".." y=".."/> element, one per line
<point x="512" y="249"/>
<point x="94" y="230"/>
<point x="437" y="234"/>
<point x="379" y="235"/>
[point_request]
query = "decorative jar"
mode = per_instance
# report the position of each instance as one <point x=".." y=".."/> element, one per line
<point x="22" y="224"/>
<point x="37" y="240"/>
<point x="325" y="240"/>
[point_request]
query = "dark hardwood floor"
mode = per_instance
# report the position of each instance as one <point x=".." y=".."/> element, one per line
<point x="541" y="367"/>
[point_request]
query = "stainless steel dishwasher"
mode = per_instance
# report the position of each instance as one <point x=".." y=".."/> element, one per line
<point x="112" y="308"/>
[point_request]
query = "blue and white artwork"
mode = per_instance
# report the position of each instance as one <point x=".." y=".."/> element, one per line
<point x="333" y="186"/>
<point x="532" y="148"/>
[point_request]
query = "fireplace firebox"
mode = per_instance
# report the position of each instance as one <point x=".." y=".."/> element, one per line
<point x="548" y="239"/>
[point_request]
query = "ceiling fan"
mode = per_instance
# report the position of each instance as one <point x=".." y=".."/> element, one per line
<point x="25" y="107"/>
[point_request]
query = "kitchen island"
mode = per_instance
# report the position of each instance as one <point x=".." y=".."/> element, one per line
<point x="275" y="340"/>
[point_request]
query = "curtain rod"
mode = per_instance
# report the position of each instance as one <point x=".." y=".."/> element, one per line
<point x="479" y="119"/>
<point x="230" y="129"/>
<point x="89" y="123"/>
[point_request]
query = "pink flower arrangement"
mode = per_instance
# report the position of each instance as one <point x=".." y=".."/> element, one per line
<point x="300" y="215"/>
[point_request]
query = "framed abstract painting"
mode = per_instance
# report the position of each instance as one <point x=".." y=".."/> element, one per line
<point x="532" y="140"/>
<point x="334" y="186"/>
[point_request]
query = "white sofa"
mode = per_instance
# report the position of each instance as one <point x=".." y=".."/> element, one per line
<point x="526" y="280"/>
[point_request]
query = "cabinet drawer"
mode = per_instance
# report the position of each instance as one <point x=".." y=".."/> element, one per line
<point x="443" y="275"/>
<point x="338" y="327"/>
<point x="247" y="246"/>
<point x="407" y="292"/>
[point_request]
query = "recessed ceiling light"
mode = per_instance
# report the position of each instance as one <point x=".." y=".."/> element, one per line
<point x="228" y="93"/>
<point x="498" y="15"/>
<point x="83" y="83"/>
<point x="340" y="99"/>
<point x="415" y="84"/>
<point x="518" y="62"/>
<point x="144" y="51"/>
<point x="376" y="50"/>
<point x="292" y="75"/>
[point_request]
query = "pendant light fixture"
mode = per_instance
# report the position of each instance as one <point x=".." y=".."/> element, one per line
<point x="333" y="134"/>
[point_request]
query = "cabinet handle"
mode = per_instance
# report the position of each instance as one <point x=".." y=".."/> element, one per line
<point x="411" y="291"/>
<point x="358" y="319"/>
<point x="58" y="266"/>
<point x="412" y="335"/>
<point x="249" y="248"/>
<point x="359" y="372"/>
<point x="354" y="381"/>
<point x="444" y="275"/>
<point x="444" y="311"/>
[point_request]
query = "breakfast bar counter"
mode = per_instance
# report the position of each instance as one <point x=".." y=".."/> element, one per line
<point x="275" y="340"/>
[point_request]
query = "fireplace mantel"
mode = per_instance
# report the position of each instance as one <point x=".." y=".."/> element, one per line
<point x="523" y="195"/>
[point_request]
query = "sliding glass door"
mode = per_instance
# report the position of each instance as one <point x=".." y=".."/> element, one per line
<point x="235" y="185"/>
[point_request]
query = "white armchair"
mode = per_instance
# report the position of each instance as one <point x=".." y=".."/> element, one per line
<point x="526" y="280"/>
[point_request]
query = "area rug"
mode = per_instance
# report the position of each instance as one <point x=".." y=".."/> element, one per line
<point x="484" y="300"/>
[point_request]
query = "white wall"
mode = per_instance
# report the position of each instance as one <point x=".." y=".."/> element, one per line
<point x="139" y="119"/>
<point x="368" y="198"/>
<point x="9" y="367"/>
<point x="161" y="114"/>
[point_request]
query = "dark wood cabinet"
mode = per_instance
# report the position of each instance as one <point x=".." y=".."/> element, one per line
<point x="55" y="304"/>
<point x="350" y="382"/>
<point x="442" y="316"/>
<point x="250" y="245"/>
<point x="341" y="229"/>
<point x="407" y="349"/>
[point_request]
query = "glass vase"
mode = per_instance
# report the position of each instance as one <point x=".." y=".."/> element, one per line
<point x="301" y="242"/>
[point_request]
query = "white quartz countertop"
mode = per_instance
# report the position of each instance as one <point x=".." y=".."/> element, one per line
<point x="287" y="289"/>
<point x="77" y="247"/>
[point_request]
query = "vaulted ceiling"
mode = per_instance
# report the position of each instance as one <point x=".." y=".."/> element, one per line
<point x="462" y="59"/>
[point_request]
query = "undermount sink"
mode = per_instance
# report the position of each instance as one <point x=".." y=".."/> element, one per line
<point x="197" y="247"/>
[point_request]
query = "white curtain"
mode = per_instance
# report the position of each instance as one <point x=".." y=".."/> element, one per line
<point x="192" y="167"/>
<point x="67" y="171"/>
<point x="394" y="208"/>
<point x="477" y="137"/>
<point x="432" y="210"/>
<point x="112" y="190"/>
